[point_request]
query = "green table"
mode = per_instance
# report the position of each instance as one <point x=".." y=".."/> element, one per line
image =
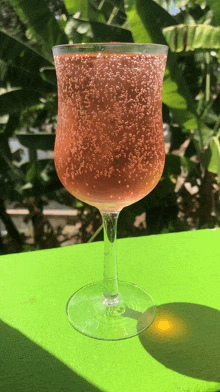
<point x="180" y="351"/>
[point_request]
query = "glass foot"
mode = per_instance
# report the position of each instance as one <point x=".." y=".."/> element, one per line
<point x="134" y="312"/>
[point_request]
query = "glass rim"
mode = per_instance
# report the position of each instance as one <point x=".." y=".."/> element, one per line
<point x="110" y="47"/>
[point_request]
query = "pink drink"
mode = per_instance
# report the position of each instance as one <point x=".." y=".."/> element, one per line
<point x="109" y="149"/>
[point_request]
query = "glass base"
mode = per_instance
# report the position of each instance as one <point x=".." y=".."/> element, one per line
<point x="134" y="312"/>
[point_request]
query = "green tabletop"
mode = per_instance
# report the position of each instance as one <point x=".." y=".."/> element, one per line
<point x="180" y="351"/>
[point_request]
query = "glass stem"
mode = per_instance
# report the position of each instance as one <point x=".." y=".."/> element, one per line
<point x="110" y="279"/>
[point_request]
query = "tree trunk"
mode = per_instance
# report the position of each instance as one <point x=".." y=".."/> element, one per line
<point x="9" y="224"/>
<point x="2" y="246"/>
<point x="44" y="235"/>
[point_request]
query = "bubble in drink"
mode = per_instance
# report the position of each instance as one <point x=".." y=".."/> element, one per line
<point x="109" y="148"/>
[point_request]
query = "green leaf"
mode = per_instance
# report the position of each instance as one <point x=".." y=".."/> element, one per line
<point x="139" y="34"/>
<point x="178" y="137"/>
<point x="74" y="6"/>
<point x="97" y="31"/>
<point x="211" y="157"/>
<point x="129" y="4"/>
<point x="20" y="54"/>
<point x="43" y="164"/>
<point x="162" y="3"/>
<point x="7" y="168"/>
<point x="48" y="74"/>
<point x="215" y="7"/>
<point x="46" y="179"/>
<point x="4" y="119"/>
<point x="10" y="189"/>
<point x="172" y="97"/>
<point x="110" y="33"/>
<point x="16" y="100"/>
<point x="20" y="77"/>
<point x="173" y="164"/>
<point x="79" y="203"/>
<point x="37" y="16"/>
<point x="12" y="125"/>
<point x="44" y="175"/>
<point x="32" y="172"/>
<point x="3" y="70"/>
<point x="94" y="13"/>
<point x="20" y="64"/>
<point x="26" y="187"/>
<point x="176" y="94"/>
<point x="154" y="19"/>
<point x="167" y="4"/>
<point x="41" y="141"/>
<point x="192" y="37"/>
<point x="180" y="3"/>
<point x="207" y="133"/>
<point x="5" y="153"/>
<point x="71" y="32"/>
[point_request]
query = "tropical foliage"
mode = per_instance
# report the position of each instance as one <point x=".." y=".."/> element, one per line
<point x="187" y="196"/>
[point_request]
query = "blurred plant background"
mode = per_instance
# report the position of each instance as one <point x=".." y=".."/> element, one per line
<point x="187" y="197"/>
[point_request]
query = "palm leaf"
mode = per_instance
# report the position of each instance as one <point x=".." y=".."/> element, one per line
<point x="154" y="19"/>
<point x="167" y="4"/>
<point x="17" y="100"/>
<point x="75" y="6"/>
<point x="20" y="65"/>
<point x="180" y="3"/>
<point x="190" y="37"/>
<point x="38" y="141"/>
<point x="20" y="54"/>
<point x="176" y="94"/>
<point x="102" y="32"/>
<point x="215" y="7"/>
<point x="138" y="34"/>
<point x="107" y="33"/>
<point x="37" y="16"/>
<point x="211" y="157"/>
<point x="20" y="77"/>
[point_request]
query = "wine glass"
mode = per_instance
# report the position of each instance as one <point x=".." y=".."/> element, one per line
<point x="109" y="152"/>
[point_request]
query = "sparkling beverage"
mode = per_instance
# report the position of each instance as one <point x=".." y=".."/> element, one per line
<point x="109" y="149"/>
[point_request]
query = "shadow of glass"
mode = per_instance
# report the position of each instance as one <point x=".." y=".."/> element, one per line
<point x="185" y="337"/>
<point x="25" y="366"/>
